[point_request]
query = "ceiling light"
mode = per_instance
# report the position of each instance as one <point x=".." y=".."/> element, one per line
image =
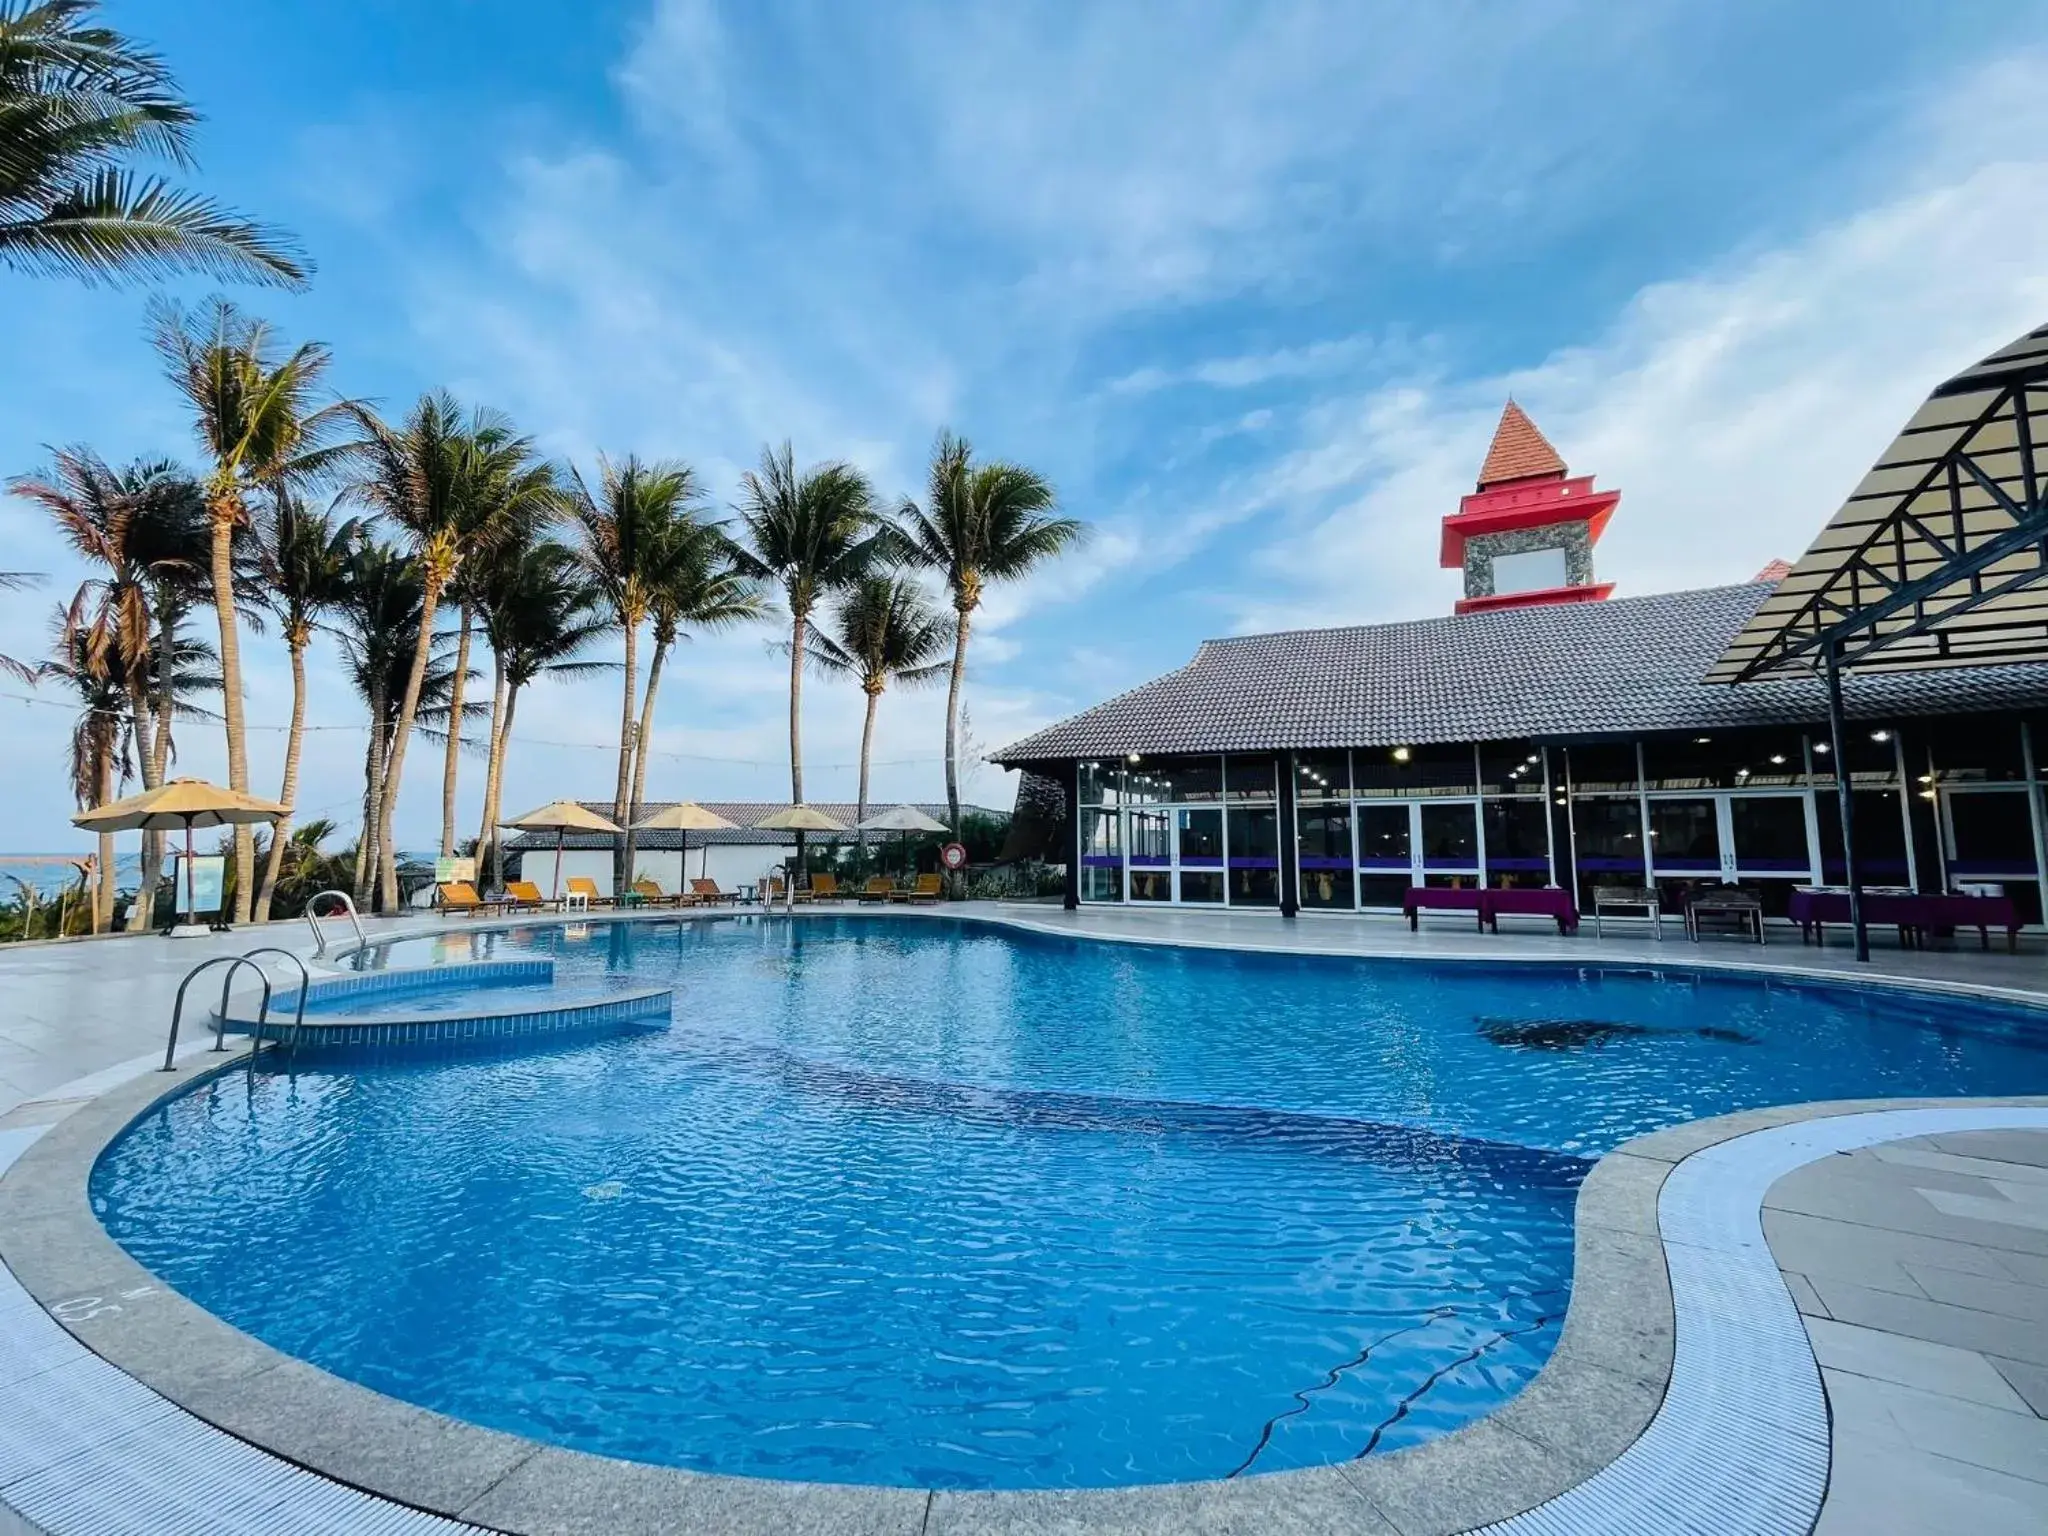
<point x="1534" y="758"/>
<point x="1777" y="757"/>
<point x="1132" y="758"/>
<point x="1821" y="748"/>
<point x="1880" y="735"/>
<point x="1701" y="741"/>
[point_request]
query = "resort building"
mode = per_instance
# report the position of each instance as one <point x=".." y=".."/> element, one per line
<point x="1544" y="734"/>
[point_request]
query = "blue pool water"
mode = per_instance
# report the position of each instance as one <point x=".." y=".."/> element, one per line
<point x="943" y="1205"/>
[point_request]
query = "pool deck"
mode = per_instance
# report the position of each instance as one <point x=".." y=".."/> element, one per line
<point x="1915" y="1251"/>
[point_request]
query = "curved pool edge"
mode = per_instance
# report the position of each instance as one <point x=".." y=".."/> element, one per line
<point x="1581" y="1418"/>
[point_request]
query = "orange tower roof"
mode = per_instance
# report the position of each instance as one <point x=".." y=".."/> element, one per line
<point x="1519" y="451"/>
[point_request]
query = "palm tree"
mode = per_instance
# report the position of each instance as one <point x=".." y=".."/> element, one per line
<point x="303" y="556"/>
<point x="540" y="611"/>
<point x="698" y="584"/>
<point x="78" y="104"/>
<point x="253" y="409"/>
<point x="984" y="523"/>
<point x="145" y="528"/>
<point x="815" y="533"/>
<point x="884" y="630"/>
<point x="450" y="487"/>
<point x="625" y="532"/>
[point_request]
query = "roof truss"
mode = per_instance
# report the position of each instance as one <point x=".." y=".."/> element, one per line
<point x="1940" y="557"/>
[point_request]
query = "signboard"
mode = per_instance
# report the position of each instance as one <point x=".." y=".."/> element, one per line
<point x="447" y="870"/>
<point x="953" y="856"/>
<point x="209" y="878"/>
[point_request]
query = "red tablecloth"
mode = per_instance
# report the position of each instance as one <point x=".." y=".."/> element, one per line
<point x="1911" y="913"/>
<point x="1488" y="905"/>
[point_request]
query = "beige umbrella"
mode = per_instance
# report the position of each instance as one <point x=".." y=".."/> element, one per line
<point x="186" y="803"/>
<point x="685" y="818"/>
<point x="901" y="818"/>
<point x="799" y="819"/>
<point x="562" y="817"/>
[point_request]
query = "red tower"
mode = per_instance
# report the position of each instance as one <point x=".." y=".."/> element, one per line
<point x="1526" y="535"/>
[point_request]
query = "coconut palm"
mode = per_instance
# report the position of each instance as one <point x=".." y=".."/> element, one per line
<point x="303" y="556"/>
<point x="625" y="530"/>
<point x="814" y="533"/>
<point x="884" y="629"/>
<point x="698" y="583"/>
<point x="449" y="486"/>
<point x="982" y="523"/>
<point x="253" y="409"/>
<point x="79" y="105"/>
<point x="540" y="611"/>
<point x="144" y="527"/>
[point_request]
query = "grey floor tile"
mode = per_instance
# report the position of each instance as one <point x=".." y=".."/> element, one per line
<point x="1867" y="1203"/>
<point x="1999" y="1209"/>
<point x="1816" y="1246"/>
<point x="1881" y="1412"/>
<point x="2009" y="1298"/>
<point x="1972" y="1167"/>
<point x="1985" y="1332"/>
<point x="1804" y="1296"/>
<point x="2030" y="1381"/>
<point x="1999" y="1146"/>
<point x="1890" y="1357"/>
<point x="1883" y="1491"/>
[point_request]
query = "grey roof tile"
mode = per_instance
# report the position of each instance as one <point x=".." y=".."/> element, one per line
<point x="743" y="812"/>
<point x="1577" y="669"/>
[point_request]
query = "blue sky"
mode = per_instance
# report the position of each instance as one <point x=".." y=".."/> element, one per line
<point x="1248" y="281"/>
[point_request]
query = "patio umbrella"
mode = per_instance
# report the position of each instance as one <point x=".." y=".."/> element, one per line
<point x="686" y="817"/>
<point x="799" y="819"/>
<point x="905" y="819"/>
<point x="186" y="803"/>
<point x="562" y="817"/>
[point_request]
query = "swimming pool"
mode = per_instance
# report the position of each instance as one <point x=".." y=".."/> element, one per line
<point x="936" y="1204"/>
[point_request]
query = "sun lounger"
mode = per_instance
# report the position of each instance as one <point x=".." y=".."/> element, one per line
<point x="878" y="889"/>
<point x="652" y="895"/>
<point x="825" y="888"/>
<point x="926" y="889"/>
<point x="705" y="893"/>
<point x="775" y="891"/>
<point x="583" y="891"/>
<point x="524" y="896"/>
<point x="460" y="896"/>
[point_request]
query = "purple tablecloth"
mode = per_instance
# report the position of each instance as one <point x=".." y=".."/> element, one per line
<point x="1533" y="901"/>
<point x="1912" y="913"/>
<point x="1441" y="898"/>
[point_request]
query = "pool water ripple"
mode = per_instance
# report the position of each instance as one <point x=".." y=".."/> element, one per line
<point x="933" y="1205"/>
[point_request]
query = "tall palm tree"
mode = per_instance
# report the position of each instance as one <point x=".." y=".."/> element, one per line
<point x="814" y="533"/>
<point x="253" y="410"/>
<point x="79" y="103"/>
<point x="884" y="630"/>
<point x="982" y="523"/>
<point x="540" y="611"/>
<point x="144" y="529"/>
<point x="698" y="584"/>
<point x="304" y="559"/>
<point x="625" y="530"/>
<point x="449" y="486"/>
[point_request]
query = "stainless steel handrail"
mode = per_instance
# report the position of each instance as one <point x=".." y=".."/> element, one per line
<point x="348" y="905"/>
<point x="233" y="963"/>
<point x="298" y="1017"/>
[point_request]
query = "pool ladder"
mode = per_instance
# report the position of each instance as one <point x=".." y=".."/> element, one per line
<point x="348" y="907"/>
<point x="234" y="963"/>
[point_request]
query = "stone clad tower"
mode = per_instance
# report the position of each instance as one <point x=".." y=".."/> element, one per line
<point x="1526" y="535"/>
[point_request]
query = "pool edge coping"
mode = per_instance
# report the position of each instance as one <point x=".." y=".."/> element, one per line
<point x="1601" y="1388"/>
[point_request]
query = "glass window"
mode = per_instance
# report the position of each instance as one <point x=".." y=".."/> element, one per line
<point x="1158" y="780"/>
<point x="1975" y="750"/>
<point x="1510" y="768"/>
<point x="1322" y="775"/>
<point x="1517" y="849"/>
<point x="1880" y="838"/>
<point x="1990" y="834"/>
<point x="1383" y="837"/>
<point x="1382" y="892"/>
<point x="1254" y="856"/>
<point x="1101" y="783"/>
<point x="1102" y="856"/>
<point x="1725" y="759"/>
<point x="1251" y="776"/>
<point x="1151" y="856"/>
<point x="1604" y="767"/>
<point x="1201" y="837"/>
<point x="1770" y="834"/>
<point x="1324" y="839"/>
<point x="1450" y="835"/>
<point x="1607" y="836"/>
<point x="1685" y="834"/>
<point x="1529" y="570"/>
<point x="1441" y="768"/>
<point x="1201" y="885"/>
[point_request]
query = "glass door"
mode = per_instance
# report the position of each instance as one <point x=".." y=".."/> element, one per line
<point x="1151" y="856"/>
<point x="1386" y="863"/>
<point x="1685" y="837"/>
<point x="1768" y="835"/>
<point x="1446" y="841"/>
<point x="1198" y="854"/>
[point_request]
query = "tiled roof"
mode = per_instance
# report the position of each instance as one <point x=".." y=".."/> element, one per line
<point x="1574" y="669"/>
<point x="742" y="812"/>
<point x="1519" y="451"/>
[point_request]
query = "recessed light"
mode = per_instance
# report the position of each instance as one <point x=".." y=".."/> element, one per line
<point x="1880" y="735"/>
<point x="1132" y="758"/>
<point x="1701" y="741"/>
<point x="1777" y="757"/>
<point x="1820" y="748"/>
<point x="1400" y="754"/>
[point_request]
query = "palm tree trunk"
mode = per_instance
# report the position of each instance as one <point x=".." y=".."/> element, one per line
<point x="953" y="687"/>
<point x="449" y="764"/>
<point x="226" y="514"/>
<point x="140" y="915"/>
<point x="797" y="622"/>
<point x="401" y="730"/>
<point x="498" y="789"/>
<point x="867" y="741"/>
<point x="367" y="849"/>
<point x="281" y="833"/>
<point x="641" y="738"/>
<point x="156" y="756"/>
<point x="103" y="894"/>
<point x="487" y="833"/>
<point x="620" y="874"/>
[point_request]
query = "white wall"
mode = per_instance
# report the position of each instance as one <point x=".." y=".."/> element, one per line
<point x="731" y="865"/>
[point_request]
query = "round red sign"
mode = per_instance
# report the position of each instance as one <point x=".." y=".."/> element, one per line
<point x="953" y="856"/>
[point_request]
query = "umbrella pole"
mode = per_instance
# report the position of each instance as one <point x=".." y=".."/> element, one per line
<point x="558" y="863"/>
<point x="189" y="909"/>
